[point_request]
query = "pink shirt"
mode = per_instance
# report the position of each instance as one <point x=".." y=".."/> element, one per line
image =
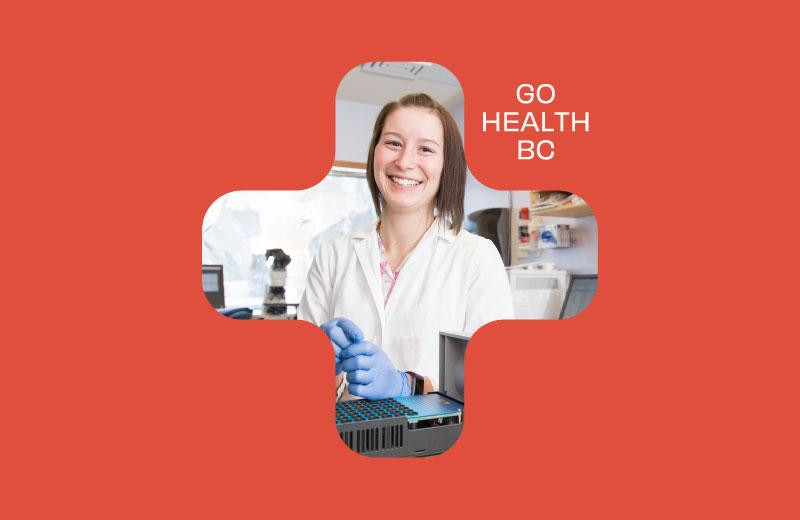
<point x="388" y="277"/>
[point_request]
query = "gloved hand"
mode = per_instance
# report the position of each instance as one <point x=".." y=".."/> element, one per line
<point x="371" y="373"/>
<point x="342" y="333"/>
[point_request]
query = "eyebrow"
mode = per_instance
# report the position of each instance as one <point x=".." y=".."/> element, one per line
<point x="400" y="136"/>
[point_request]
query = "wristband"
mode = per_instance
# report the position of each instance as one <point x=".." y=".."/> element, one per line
<point x="419" y="383"/>
<point x="405" y="391"/>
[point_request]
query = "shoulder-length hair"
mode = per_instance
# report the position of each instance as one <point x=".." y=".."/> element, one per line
<point x="450" y="197"/>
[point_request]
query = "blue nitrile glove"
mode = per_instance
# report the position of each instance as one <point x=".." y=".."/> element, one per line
<point x="371" y="373"/>
<point x="342" y="333"/>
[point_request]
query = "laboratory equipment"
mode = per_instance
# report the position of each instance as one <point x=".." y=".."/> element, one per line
<point x="553" y="236"/>
<point x="275" y="291"/>
<point x="579" y="295"/>
<point x="413" y="426"/>
<point x="492" y="223"/>
<point x="538" y="294"/>
<point x="213" y="286"/>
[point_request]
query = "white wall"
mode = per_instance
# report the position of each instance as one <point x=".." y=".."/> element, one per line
<point x="354" y="129"/>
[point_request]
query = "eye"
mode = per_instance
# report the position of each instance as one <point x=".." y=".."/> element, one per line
<point x="393" y="143"/>
<point x="426" y="149"/>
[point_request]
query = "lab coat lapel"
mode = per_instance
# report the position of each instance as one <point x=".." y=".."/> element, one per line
<point x="368" y="261"/>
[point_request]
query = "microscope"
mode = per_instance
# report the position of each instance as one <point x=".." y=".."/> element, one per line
<point x="275" y="291"/>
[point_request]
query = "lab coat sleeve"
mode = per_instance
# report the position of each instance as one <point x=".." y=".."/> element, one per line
<point x="315" y="304"/>
<point x="488" y="293"/>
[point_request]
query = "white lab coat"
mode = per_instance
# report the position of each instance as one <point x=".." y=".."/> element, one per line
<point x="448" y="283"/>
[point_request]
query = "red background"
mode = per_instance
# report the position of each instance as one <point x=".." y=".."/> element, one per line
<point x="673" y="395"/>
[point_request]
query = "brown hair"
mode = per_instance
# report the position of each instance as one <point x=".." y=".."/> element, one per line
<point x="450" y="197"/>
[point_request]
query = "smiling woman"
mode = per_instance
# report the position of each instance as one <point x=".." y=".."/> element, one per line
<point x="415" y="147"/>
<point x="383" y="294"/>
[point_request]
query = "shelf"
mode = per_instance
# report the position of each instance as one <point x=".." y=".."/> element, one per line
<point x="567" y="210"/>
<point x="558" y="204"/>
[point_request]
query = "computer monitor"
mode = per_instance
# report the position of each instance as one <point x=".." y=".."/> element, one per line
<point x="213" y="286"/>
<point x="579" y="295"/>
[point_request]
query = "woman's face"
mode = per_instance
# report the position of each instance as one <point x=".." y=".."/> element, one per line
<point x="408" y="159"/>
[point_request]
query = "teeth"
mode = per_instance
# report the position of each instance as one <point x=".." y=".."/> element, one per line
<point x="404" y="182"/>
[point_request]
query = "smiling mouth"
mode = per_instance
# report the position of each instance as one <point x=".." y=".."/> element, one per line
<point x="402" y="181"/>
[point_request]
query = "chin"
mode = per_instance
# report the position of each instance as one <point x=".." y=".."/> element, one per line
<point x="405" y="206"/>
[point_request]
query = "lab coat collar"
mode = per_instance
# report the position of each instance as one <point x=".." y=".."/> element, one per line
<point x="439" y="228"/>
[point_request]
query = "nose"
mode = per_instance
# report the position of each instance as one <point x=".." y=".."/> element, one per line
<point x="405" y="158"/>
